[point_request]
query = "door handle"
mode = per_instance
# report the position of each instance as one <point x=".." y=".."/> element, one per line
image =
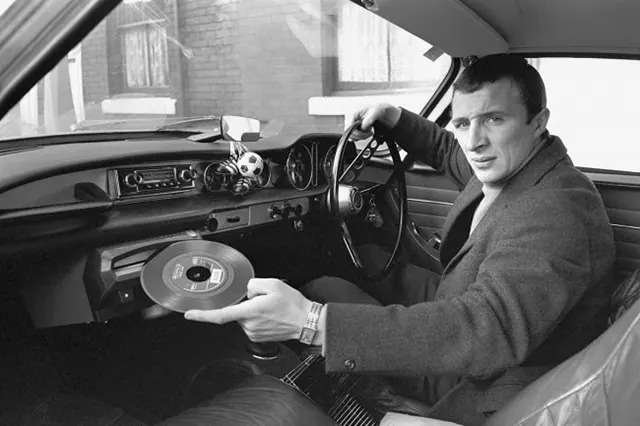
<point x="435" y="241"/>
<point x="430" y="245"/>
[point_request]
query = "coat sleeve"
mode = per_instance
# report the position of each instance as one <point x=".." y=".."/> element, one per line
<point x="432" y="145"/>
<point x="534" y="274"/>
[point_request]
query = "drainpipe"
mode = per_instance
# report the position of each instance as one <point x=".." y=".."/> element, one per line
<point x="181" y="108"/>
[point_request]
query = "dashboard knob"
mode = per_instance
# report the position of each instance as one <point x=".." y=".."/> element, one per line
<point x="212" y="223"/>
<point x="132" y="180"/>
<point x="276" y="212"/>
<point x="185" y="175"/>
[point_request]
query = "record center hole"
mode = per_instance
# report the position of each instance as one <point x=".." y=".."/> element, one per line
<point x="198" y="273"/>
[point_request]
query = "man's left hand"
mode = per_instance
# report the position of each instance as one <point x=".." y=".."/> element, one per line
<point x="274" y="312"/>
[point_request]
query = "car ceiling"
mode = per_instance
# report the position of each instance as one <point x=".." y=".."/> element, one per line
<point x="479" y="27"/>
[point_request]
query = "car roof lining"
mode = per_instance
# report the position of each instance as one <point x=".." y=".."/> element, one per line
<point x="478" y="27"/>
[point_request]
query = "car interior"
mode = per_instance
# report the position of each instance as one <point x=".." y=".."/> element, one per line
<point x="83" y="213"/>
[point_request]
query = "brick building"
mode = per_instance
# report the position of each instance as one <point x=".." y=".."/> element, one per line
<point x="217" y="60"/>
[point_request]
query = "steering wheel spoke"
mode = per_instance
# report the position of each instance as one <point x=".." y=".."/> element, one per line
<point x="351" y="247"/>
<point x="358" y="157"/>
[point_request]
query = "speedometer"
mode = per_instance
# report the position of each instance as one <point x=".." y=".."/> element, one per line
<point x="299" y="167"/>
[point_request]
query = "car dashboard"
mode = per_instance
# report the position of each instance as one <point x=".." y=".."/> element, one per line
<point x="79" y="220"/>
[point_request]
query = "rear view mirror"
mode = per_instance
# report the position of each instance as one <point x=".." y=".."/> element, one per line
<point x="239" y="129"/>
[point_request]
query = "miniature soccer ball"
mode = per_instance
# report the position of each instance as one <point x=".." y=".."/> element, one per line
<point x="250" y="165"/>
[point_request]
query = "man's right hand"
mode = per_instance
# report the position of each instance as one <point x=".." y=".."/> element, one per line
<point x="384" y="113"/>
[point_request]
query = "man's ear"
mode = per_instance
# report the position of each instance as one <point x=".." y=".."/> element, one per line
<point x="540" y="121"/>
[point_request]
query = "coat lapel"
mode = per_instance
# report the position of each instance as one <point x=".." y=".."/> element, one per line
<point x="468" y="196"/>
<point x="545" y="160"/>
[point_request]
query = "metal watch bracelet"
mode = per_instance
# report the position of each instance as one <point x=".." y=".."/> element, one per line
<point x="311" y="324"/>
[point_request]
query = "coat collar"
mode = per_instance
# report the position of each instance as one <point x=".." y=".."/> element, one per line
<point x="551" y="154"/>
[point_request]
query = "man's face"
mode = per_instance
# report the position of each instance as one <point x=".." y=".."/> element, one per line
<point x="491" y="127"/>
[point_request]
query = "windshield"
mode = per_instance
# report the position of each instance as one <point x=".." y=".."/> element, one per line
<point x="299" y="65"/>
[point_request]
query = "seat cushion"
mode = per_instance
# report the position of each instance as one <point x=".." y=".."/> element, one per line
<point x="625" y="295"/>
<point x="598" y="386"/>
<point x="262" y="400"/>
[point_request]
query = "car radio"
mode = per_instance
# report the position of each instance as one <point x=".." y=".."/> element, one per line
<point x="146" y="180"/>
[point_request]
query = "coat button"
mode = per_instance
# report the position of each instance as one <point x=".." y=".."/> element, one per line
<point x="350" y="364"/>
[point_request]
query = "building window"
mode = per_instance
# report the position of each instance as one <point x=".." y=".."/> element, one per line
<point x="387" y="58"/>
<point x="146" y="63"/>
<point x="141" y="26"/>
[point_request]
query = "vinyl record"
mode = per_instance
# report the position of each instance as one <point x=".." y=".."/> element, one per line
<point x="197" y="275"/>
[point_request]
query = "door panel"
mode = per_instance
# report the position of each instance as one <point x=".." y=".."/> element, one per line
<point x="430" y="196"/>
<point x="622" y="201"/>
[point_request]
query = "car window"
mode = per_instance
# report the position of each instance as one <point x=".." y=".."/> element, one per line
<point x="301" y="63"/>
<point x="594" y="109"/>
<point x="5" y="4"/>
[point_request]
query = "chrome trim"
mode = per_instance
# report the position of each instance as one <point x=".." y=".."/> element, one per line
<point x="349" y="200"/>
<point x="267" y="166"/>
<point x="315" y="159"/>
<point x="440" y="203"/>
<point x="325" y="157"/>
<point x="616" y="225"/>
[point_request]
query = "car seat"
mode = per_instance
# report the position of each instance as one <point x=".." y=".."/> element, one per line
<point x="600" y="385"/>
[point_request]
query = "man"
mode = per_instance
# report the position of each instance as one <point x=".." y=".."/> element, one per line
<point x="527" y="252"/>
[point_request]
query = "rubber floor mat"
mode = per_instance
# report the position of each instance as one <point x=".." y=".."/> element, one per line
<point x="63" y="409"/>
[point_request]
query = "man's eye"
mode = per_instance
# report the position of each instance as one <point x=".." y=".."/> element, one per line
<point x="494" y="119"/>
<point x="461" y="125"/>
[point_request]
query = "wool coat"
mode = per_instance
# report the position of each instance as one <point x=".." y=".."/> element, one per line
<point x="525" y="290"/>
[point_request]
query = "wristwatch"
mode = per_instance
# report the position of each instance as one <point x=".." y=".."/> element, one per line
<point x="311" y="325"/>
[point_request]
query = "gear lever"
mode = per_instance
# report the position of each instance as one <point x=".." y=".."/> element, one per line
<point x="265" y="351"/>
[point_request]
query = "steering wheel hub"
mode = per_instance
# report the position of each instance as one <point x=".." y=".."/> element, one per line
<point x="350" y="200"/>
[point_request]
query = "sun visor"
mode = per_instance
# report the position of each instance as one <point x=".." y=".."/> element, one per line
<point x="447" y="24"/>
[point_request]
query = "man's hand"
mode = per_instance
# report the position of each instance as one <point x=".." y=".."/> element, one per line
<point x="273" y="313"/>
<point x="387" y="114"/>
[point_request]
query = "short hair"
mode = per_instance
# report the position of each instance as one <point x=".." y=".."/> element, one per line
<point x="492" y="68"/>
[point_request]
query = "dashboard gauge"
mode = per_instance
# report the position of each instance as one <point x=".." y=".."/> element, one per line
<point x="327" y="163"/>
<point x="264" y="177"/>
<point x="350" y="154"/>
<point x="214" y="182"/>
<point x="299" y="167"/>
<point x="211" y="182"/>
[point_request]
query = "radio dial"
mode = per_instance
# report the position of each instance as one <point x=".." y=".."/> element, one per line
<point x="186" y="175"/>
<point x="132" y="180"/>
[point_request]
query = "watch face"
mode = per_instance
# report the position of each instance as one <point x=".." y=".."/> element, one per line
<point x="306" y="336"/>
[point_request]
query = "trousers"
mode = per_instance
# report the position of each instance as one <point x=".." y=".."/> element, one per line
<point x="406" y="285"/>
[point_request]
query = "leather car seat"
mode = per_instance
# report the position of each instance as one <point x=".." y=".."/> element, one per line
<point x="598" y="386"/>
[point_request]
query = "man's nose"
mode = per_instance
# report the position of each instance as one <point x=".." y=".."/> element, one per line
<point x="476" y="137"/>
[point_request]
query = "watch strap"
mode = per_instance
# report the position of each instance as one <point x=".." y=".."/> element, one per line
<point x="311" y="324"/>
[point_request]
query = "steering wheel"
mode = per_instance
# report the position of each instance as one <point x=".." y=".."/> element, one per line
<point x="346" y="200"/>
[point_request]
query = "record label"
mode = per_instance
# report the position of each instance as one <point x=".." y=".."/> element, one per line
<point x="197" y="275"/>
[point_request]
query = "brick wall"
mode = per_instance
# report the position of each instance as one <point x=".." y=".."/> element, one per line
<point x="247" y="61"/>
<point x="95" y="76"/>
<point x="212" y="76"/>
